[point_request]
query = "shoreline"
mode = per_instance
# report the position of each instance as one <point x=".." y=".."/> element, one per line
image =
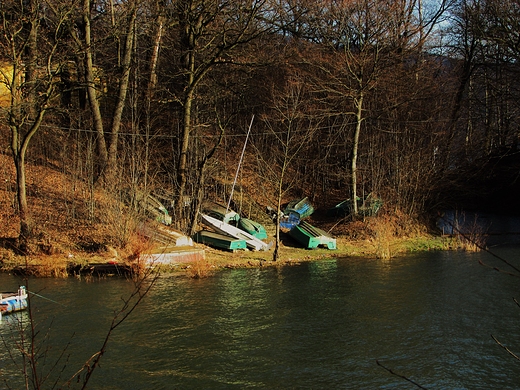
<point x="214" y="260"/>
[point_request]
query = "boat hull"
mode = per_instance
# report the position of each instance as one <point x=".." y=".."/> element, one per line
<point x="367" y="207"/>
<point x="219" y="241"/>
<point x="220" y="212"/>
<point x="302" y="207"/>
<point x="253" y="228"/>
<point x="311" y="237"/>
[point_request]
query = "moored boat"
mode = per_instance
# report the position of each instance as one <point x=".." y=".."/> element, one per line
<point x="13" y="301"/>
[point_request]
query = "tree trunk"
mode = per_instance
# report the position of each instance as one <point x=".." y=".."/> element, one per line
<point x="121" y="99"/>
<point x="197" y="202"/>
<point x="23" y="210"/>
<point x="465" y="77"/>
<point x="182" y="167"/>
<point x="355" y="146"/>
<point x="91" y="91"/>
<point x="276" y="251"/>
<point x="32" y="58"/>
<point x="201" y="182"/>
<point x="31" y="89"/>
<point x="19" y="145"/>
<point x="189" y="65"/>
<point x="152" y="82"/>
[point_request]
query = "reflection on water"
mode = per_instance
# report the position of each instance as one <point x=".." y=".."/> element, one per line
<point x="318" y="325"/>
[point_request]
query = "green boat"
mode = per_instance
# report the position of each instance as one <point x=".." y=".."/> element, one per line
<point x="220" y="212"/>
<point x="302" y="207"/>
<point x="311" y="237"/>
<point x="219" y="241"/>
<point x="254" y="228"/>
<point x="367" y="207"/>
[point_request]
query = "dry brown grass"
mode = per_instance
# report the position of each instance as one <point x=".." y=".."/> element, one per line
<point x="67" y="216"/>
<point x="50" y="266"/>
<point x="469" y="235"/>
<point x="470" y="242"/>
<point x="200" y="268"/>
<point x="383" y="232"/>
<point x="383" y="236"/>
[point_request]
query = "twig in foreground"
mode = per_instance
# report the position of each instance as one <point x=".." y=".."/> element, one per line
<point x="400" y="376"/>
<point x="507" y="349"/>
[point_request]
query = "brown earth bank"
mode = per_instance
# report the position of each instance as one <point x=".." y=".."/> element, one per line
<point x="75" y="225"/>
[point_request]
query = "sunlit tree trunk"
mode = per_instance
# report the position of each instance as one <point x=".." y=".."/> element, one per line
<point x="91" y="89"/>
<point x="355" y="147"/>
<point x="150" y="90"/>
<point x="121" y="99"/>
<point x="19" y="145"/>
<point x="107" y="156"/>
<point x="31" y="88"/>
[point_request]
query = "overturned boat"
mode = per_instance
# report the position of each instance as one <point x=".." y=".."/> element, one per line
<point x="303" y="207"/>
<point x="219" y="241"/>
<point x="220" y="212"/>
<point x="312" y="237"/>
<point x="231" y="217"/>
<point x="367" y="207"/>
<point x="229" y="230"/>
<point x="295" y="211"/>
<point x="252" y="227"/>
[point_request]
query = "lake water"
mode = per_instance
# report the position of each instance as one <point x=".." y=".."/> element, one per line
<point x="319" y="325"/>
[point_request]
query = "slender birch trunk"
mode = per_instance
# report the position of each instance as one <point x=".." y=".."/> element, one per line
<point x="355" y="147"/>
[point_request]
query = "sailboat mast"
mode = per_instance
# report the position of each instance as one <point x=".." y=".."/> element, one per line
<point x="239" y="164"/>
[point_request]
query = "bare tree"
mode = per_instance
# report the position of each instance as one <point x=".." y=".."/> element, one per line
<point x="361" y="42"/>
<point x="291" y="128"/>
<point x="107" y="155"/>
<point x="210" y="32"/>
<point x="33" y="65"/>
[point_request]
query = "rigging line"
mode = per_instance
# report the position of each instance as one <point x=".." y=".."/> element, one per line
<point x="239" y="163"/>
<point x="48" y="299"/>
<point x="170" y="136"/>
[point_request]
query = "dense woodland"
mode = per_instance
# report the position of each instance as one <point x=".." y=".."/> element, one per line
<point x="416" y="101"/>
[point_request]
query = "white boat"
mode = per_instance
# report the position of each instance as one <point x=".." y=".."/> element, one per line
<point x="227" y="229"/>
<point x="11" y="302"/>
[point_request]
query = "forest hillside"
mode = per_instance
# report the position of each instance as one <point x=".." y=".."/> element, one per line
<point x="104" y="104"/>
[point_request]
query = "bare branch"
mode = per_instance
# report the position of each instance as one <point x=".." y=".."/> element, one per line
<point x="400" y="376"/>
<point x="506" y="348"/>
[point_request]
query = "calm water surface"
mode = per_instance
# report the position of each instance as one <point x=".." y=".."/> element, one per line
<point x="319" y="325"/>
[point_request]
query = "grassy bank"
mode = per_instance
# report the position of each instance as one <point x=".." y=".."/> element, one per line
<point x="346" y="248"/>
